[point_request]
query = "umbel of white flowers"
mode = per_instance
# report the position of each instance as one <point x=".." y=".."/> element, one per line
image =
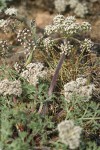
<point x="67" y="26"/>
<point x="69" y="134"/>
<point x="79" y="87"/>
<point x="33" y="72"/>
<point x="10" y="87"/>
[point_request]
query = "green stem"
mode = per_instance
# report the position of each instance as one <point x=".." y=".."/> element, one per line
<point x="96" y="118"/>
<point x="29" y="58"/>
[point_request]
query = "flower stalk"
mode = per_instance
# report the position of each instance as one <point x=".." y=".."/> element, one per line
<point x="54" y="79"/>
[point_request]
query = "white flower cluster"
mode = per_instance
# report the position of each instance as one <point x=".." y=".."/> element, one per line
<point x="4" y="48"/>
<point x="10" y="87"/>
<point x="69" y="134"/>
<point x="25" y="38"/>
<point x="48" y="43"/>
<point x="17" y="67"/>
<point x="79" y="87"/>
<point x="49" y="29"/>
<point x="66" y="48"/>
<point x="69" y="20"/>
<point x="33" y="72"/>
<point x="71" y="26"/>
<point x="86" y="45"/>
<point x="67" y="26"/>
<point x="73" y="3"/>
<point x="60" y="5"/>
<point x="85" y="26"/>
<point x="3" y="23"/>
<point x="80" y="8"/>
<point x="11" y="11"/>
<point x="58" y="19"/>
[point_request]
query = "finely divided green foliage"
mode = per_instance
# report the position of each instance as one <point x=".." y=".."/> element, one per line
<point x="3" y="4"/>
<point x="24" y="127"/>
<point x="21" y="122"/>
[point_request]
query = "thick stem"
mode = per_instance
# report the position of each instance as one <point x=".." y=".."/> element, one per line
<point x="53" y="82"/>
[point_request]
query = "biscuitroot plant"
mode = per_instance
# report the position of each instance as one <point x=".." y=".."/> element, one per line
<point x="60" y="36"/>
<point x="68" y="29"/>
<point x="71" y="114"/>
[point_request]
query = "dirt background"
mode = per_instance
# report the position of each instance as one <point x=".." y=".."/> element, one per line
<point x="43" y="11"/>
